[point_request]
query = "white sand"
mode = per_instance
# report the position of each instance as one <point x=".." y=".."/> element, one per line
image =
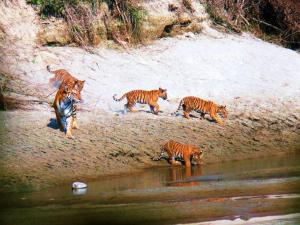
<point x="220" y="68"/>
<point x="225" y="68"/>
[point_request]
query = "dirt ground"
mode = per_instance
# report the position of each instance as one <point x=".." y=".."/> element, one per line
<point x="35" y="154"/>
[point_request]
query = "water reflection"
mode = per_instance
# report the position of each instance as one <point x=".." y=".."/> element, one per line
<point x="242" y="188"/>
<point x="81" y="191"/>
<point x="180" y="177"/>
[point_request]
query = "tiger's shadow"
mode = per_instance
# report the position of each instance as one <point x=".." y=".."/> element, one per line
<point x="53" y="124"/>
<point x="196" y="117"/>
<point x="121" y="112"/>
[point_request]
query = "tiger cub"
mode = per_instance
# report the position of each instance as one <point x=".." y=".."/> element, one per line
<point x="191" y="103"/>
<point x="63" y="76"/>
<point x="143" y="97"/>
<point x="177" y="150"/>
<point x="64" y="105"/>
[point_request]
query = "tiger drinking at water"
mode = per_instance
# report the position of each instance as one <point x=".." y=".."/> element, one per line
<point x="176" y="150"/>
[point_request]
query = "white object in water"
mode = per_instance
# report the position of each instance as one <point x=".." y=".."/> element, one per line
<point x="78" y="185"/>
<point x="81" y="191"/>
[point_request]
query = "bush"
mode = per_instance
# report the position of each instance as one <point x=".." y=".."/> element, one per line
<point x="130" y="15"/>
<point x="54" y="7"/>
<point x="272" y="20"/>
<point x="127" y="14"/>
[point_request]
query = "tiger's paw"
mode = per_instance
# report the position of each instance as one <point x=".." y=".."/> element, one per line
<point x="70" y="136"/>
<point x="176" y="163"/>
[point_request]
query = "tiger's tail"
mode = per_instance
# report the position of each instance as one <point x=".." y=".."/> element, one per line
<point x="118" y="99"/>
<point x="162" y="150"/>
<point x="49" y="69"/>
<point x="179" y="107"/>
<point x="55" y="83"/>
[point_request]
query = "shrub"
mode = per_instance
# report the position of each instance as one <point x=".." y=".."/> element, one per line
<point x="272" y="20"/>
<point x="127" y="14"/>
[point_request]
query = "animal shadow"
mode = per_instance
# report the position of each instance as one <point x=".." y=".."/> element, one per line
<point x="53" y="124"/>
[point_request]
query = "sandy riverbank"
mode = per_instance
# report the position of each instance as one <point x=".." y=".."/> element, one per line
<point x="34" y="153"/>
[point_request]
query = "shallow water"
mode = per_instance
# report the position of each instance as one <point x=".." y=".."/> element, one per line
<point x="233" y="192"/>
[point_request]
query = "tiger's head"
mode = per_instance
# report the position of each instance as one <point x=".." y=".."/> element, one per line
<point x="79" y="84"/>
<point x="163" y="93"/>
<point x="222" y="110"/>
<point x="72" y="91"/>
<point x="197" y="154"/>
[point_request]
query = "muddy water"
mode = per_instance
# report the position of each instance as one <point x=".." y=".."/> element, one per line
<point x="265" y="190"/>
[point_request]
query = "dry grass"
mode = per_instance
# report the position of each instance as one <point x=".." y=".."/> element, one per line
<point x="123" y="20"/>
<point x="128" y="16"/>
<point x="80" y="20"/>
<point x="272" y="20"/>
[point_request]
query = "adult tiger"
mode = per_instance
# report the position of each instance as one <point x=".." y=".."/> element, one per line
<point x="64" y="105"/>
<point x="191" y="103"/>
<point x="63" y="76"/>
<point x="176" y="150"/>
<point x="143" y="97"/>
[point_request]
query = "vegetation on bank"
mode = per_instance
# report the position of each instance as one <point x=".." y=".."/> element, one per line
<point x="276" y="21"/>
<point x="81" y="16"/>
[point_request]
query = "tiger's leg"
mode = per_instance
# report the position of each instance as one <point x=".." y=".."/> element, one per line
<point x="130" y="106"/>
<point x="202" y="114"/>
<point x="217" y="119"/>
<point x="152" y="108"/>
<point x="155" y="107"/>
<point x="186" y="113"/>
<point x="173" y="162"/>
<point x="69" y="122"/>
<point x="58" y="120"/>
<point x="187" y="161"/>
<point x="75" y="124"/>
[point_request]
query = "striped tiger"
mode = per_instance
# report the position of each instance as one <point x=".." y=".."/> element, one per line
<point x="143" y="97"/>
<point x="176" y="150"/>
<point x="190" y="103"/>
<point x="65" y="107"/>
<point x="63" y="76"/>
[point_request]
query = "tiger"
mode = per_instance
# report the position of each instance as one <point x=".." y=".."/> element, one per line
<point x="176" y="150"/>
<point x="63" y="76"/>
<point x="65" y="108"/>
<point x="191" y="103"/>
<point x="143" y="97"/>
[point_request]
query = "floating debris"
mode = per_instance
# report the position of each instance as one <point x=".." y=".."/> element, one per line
<point x="78" y="185"/>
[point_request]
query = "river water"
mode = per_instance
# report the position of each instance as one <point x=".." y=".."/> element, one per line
<point x="254" y="191"/>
